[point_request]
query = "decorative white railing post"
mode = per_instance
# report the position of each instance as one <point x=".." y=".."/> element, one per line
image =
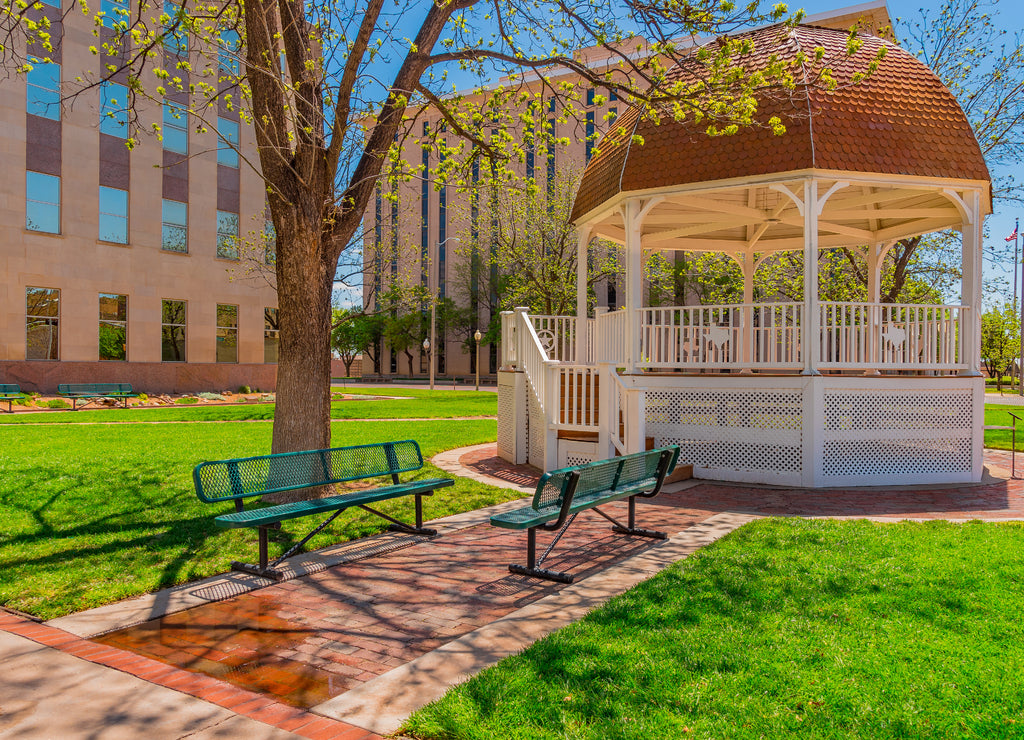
<point x="509" y="342"/>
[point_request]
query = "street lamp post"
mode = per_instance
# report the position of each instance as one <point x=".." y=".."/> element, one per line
<point x="477" y="336"/>
<point x="427" y="345"/>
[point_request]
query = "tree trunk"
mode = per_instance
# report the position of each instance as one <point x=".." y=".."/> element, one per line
<point x="302" y="412"/>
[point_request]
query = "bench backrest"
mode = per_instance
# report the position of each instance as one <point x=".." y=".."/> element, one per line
<point x="224" y="480"/>
<point x="10" y="388"/>
<point x="629" y="471"/>
<point x="65" y="388"/>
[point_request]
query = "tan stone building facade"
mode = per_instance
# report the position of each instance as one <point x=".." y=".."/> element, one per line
<point x="123" y="266"/>
<point x="418" y="236"/>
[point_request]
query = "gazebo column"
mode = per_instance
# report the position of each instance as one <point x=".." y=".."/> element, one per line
<point x="810" y="329"/>
<point x="874" y="257"/>
<point x="970" y="285"/>
<point x="749" y="265"/>
<point x="634" y="282"/>
<point x="583" y="236"/>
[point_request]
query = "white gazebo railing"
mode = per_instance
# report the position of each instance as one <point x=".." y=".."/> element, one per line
<point x="891" y="336"/>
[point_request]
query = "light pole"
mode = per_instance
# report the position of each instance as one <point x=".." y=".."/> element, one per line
<point x="430" y="358"/>
<point x="477" y="336"/>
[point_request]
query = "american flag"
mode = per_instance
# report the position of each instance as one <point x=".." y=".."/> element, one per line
<point x="1013" y="237"/>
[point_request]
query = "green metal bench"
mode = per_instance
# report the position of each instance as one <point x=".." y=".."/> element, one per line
<point x="238" y="479"/>
<point x="562" y="494"/>
<point x="94" y="391"/>
<point x="10" y="392"/>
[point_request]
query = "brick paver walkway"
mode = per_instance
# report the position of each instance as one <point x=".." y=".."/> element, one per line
<point x="312" y="638"/>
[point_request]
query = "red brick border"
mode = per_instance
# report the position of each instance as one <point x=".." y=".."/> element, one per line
<point x="246" y="703"/>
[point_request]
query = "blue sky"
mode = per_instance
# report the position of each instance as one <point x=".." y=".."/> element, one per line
<point x="1010" y="15"/>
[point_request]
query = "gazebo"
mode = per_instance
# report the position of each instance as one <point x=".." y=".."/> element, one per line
<point x="811" y="393"/>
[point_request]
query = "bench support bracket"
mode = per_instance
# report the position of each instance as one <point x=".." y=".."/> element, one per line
<point x="632" y="530"/>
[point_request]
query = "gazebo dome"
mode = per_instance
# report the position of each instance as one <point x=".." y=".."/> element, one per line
<point x="900" y="121"/>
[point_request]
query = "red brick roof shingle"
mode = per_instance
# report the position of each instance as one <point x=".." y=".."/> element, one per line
<point x="900" y="121"/>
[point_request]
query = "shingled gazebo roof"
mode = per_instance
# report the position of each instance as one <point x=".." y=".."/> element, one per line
<point x="900" y="121"/>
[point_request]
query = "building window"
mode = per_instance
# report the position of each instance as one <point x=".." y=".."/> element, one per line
<point x="590" y="96"/>
<point x="612" y="96"/>
<point x="113" y="326"/>
<point x="175" y="35"/>
<point x="227" y="333"/>
<point x="271" y="334"/>
<point x="269" y="243"/>
<point x="613" y="113"/>
<point x="175" y="129"/>
<point x="114" y="110"/>
<point x="113" y="215"/>
<point x="42" y="324"/>
<point x="175" y="226"/>
<point x="227" y="235"/>
<point x="42" y="92"/>
<point x="590" y="134"/>
<point x="227" y="142"/>
<point x="172" y="331"/>
<point x="42" y="202"/>
<point x="227" y="58"/>
<point x="115" y="13"/>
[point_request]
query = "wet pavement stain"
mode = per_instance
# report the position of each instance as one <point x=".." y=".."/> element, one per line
<point x="242" y="642"/>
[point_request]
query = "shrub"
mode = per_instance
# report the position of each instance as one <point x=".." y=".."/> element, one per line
<point x="56" y="403"/>
<point x="143" y="398"/>
<point x="187" y="400"/>
<point x="244" y="389"/>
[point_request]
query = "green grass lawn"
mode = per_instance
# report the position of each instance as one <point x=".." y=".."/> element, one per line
<point x="786" y="628"/>
<point x="999" y="415"/>
<point x="425" y="404"/>
<point x="92" y="514"/>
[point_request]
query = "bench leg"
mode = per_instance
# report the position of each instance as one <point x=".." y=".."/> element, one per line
<point x="397" y="526"/>
<point x="262" y="569"/>
<point x="531" y="569"/>
<point x="632" y="530"/>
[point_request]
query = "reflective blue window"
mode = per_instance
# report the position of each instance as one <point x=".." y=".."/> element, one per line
<point x="175" y="36"/>
<point x="227" y="235"/>
<point x="175" y="226"/>
<point x="230" y="44"/>
<point x="175" y="129"/>
<point x="115" y="13"/>
<point x="114" y="109"/>
<point x="113" y="215"/>
<point x="227" y="142"/>
<point x="42" y="202"/>
<point x="42" y="95"/>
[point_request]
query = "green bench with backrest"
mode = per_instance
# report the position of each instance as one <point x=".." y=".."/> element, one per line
<point x="563" y="494"/>
<point x="95" y="391"/>
<point x="248" y="477"/>
<point x="10" y="392"/>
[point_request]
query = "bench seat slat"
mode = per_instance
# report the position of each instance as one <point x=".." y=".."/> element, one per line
<point x="527" y="516"/>
<point x="296" y="509"/>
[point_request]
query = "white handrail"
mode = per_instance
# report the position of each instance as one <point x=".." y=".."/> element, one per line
<point x="532" y="359"/>
<point x="557" y="336"/>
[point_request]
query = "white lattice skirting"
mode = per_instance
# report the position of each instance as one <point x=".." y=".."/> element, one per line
<point x="821" y="431"/>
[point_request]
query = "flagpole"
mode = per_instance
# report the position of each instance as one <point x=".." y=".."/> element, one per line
<point x="1020" y="333"/>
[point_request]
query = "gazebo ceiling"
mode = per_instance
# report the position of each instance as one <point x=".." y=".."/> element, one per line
<point x="763" y="216"/>
<point x="898" y="139"/>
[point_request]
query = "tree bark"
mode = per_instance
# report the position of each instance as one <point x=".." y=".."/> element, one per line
<point x="302" y="412"/>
